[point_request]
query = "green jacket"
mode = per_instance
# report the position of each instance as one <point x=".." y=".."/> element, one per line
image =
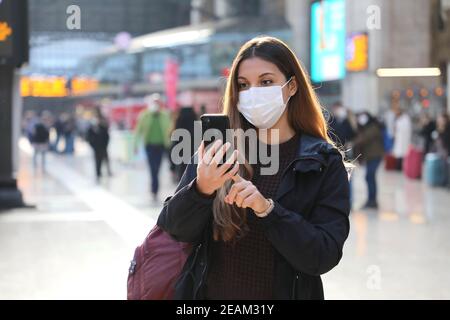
<point x="153" y="128"/>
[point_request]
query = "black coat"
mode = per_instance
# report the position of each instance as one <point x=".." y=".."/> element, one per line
<point x="307" y="227"/>
<point x="342" y="131"/>
<point x="98" y="137"/>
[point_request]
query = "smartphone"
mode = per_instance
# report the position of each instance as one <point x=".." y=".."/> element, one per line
<point x="215" y="127"/>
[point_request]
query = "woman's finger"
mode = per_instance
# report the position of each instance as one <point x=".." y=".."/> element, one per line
<point x="219" y="154"/>
<point x="241" y="196"/>
<point x="235" y="189"/>
<point x="229" y="163"/>
<point x="237" y="178"/>
<point x="248" y="202"/>
<point x="201" y="151"/>
<point x="232" y="172"/>
<point x="207" y="158"/>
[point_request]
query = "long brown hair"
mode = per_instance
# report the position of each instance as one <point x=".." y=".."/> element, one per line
<point x="304" y="115"/>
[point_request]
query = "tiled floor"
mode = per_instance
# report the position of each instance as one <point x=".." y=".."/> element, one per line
<point x="77" y="242"/>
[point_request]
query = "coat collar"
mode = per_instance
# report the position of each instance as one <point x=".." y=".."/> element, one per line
<point x="312" y="156"/>
<point x="312" y="150"/>
<point x="312" y="146"/>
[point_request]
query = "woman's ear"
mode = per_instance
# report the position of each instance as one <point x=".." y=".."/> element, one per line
<point x="293" y="86"/>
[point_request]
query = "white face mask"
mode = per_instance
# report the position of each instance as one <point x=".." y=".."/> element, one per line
<point x="341" y="113"/>
<point x="363" y="119"/>
<point x="94" y="122"/>
<point x="262" y="106"/>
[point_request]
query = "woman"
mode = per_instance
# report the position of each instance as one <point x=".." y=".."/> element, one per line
<point x="98" y="137"/>
<point x="152" y="129"/>
<point x="369" y="141"/>
<point x="185" y="120"/>
<point x="263" y="236"/>
<point x="443" y="135"/>
<point x="427" y="127"/>
<point x="402" y="137"/>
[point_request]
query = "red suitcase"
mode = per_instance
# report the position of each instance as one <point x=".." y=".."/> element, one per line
<point x="412" y="163"/>
<point x="390" y="163"/>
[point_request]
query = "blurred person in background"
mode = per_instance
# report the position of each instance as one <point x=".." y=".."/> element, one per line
<point x="58" y="126"/>
<point x="388" y="122"/>
<point x="185" y="120"/>
<point x="402" y="136"/>
<point x="29" y="121"/>
<point x="443" y="135"/>
<point x="98" y="138"/>
<point x="153" y="128"/>
<point x="82" y="122"/>
<point x="369" y="143"/>
<point x="342" y="131"/>
<point x="427" y="127"/>
<point x="69" y="128"/>
<point x="40" y="138"/>
<point x="202" y="109"/>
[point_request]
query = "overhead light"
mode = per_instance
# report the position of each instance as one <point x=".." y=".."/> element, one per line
<point x="177" y="38"/>
<point x="408" y="72"/>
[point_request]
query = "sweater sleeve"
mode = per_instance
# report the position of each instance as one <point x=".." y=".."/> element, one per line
<point x="186" y="214"/>
<point x="314" y="246"/>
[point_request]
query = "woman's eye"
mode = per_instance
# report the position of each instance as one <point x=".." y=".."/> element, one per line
<point x="242" y="86"/>
<point x="266" y="82"/>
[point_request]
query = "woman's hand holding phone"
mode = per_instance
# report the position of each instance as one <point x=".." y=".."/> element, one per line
<point x="210" y="175"/>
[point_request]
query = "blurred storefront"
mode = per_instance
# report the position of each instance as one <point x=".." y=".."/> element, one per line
<point x="203" y="53"/>
<point x="350" y="41"/>
<point x="343" y="44"/>
<point x="57" y="44"/>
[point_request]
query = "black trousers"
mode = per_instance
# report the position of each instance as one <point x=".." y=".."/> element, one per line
<point x="101" y="156"/>
<point x="399" y="164"/>
<point x="155" y="154"/>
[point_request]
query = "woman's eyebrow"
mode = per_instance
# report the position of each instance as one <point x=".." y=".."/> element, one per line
<point x="265" y="74"/>
<point x="260" y="76"/>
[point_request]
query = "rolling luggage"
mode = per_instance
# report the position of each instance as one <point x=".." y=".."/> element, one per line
<point x="435" y="170"/>
<point x="412" y="164"/>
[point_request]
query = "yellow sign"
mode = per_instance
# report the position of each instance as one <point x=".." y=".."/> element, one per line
<point x="43" y="87"/>
<point x="357" y="53"/>
<point x="52" y="87"/>
<point x="5" y="31"/>
<point x="83" y="85"/>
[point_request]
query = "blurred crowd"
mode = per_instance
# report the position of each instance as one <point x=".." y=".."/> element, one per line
<point x="401" y="142"/>
<point x="56" y="133"/>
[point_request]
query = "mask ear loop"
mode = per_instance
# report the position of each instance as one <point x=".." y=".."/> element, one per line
<point x="283" y="87"/>
<point x="288" y="100"/>
<point x="287" y="82"/>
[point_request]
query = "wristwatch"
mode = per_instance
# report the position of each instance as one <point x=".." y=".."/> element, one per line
<point x="269" y="209"/>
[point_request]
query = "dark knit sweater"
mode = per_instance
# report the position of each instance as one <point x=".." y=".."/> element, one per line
<point x="243" y="269"/>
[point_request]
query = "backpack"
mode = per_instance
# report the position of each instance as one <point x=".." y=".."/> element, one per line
<point x="156" y="266"/>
